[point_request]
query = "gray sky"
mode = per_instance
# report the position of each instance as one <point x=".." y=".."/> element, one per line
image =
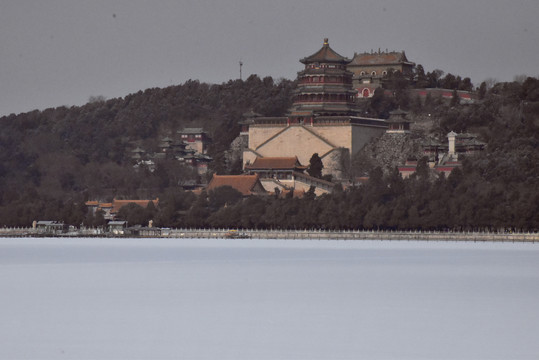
<point x="61" y="52"/>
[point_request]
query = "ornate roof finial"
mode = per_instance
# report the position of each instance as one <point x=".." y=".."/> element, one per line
<point x="326" y="42"/>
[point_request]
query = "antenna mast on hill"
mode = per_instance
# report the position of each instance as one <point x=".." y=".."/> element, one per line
<point x="241" y="64"/>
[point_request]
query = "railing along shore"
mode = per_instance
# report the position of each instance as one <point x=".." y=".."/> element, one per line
<point x="285" y="234"/>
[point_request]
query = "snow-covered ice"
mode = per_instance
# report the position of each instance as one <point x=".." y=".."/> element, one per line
<point x="267" y="299"/>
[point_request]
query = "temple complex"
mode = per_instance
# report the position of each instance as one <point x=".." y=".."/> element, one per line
<point x="323" y="118"/>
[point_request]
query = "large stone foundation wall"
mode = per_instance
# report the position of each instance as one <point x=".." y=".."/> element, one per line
<point x="334" y="143"/>
<point x="294" y="140"/>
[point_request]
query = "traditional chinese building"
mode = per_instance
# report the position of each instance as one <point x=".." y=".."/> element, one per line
<point x="397" y="122"/>
<point x="173" y="147"/>
<point x="286" y="174"/>
<point x="189" y="150"/>
<point x="409" y="167"/>
<point x="324" y="87"/>
<point x="138" y="153"/>
<point x="275" y="167"/>
<point x="323" y="118"/>
<point x="110" y="210"/>
<point x="463" y="144"/>
<point x="246" y="184"/>
<point x="369" y="69"/>
<point x="249" y="119"/>
<point x="445" y="157"/>
<point x="196" y="139"/>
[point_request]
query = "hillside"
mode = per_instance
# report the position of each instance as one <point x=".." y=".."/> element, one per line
<point x="507" y="114"/>
<point x="52" y="161"/>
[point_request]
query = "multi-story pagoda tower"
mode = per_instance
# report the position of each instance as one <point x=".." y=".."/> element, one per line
<point x="324" y="86"/>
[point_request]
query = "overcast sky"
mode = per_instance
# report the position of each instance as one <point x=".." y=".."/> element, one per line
<point x="61" y="52"/>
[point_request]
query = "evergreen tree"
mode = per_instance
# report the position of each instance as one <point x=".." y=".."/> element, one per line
<point x="99" y="218"/>
<point x="315" y="166"/>
<point x="482" y="90"/>
<point x="455" y="99"/>
<point x="421" y="78"/>
<point x="416" y="105"/>
<point x="224" y="196"/>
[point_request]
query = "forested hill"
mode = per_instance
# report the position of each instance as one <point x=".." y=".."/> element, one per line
<point x="53" y="159"/>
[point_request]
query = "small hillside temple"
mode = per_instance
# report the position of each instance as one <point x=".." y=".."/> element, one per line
<point x="323" y="118"/>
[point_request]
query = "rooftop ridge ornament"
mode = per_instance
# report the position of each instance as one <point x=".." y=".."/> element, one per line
<point x="326" y="41"/>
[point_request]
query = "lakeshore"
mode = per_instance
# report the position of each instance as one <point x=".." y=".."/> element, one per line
<point x="145" y="232"/>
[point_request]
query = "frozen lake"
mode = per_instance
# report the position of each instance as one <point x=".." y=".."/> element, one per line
<point x="270" y="299"/>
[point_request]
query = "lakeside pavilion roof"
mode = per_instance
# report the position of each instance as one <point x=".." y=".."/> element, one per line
<point x="325" y="55"/>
